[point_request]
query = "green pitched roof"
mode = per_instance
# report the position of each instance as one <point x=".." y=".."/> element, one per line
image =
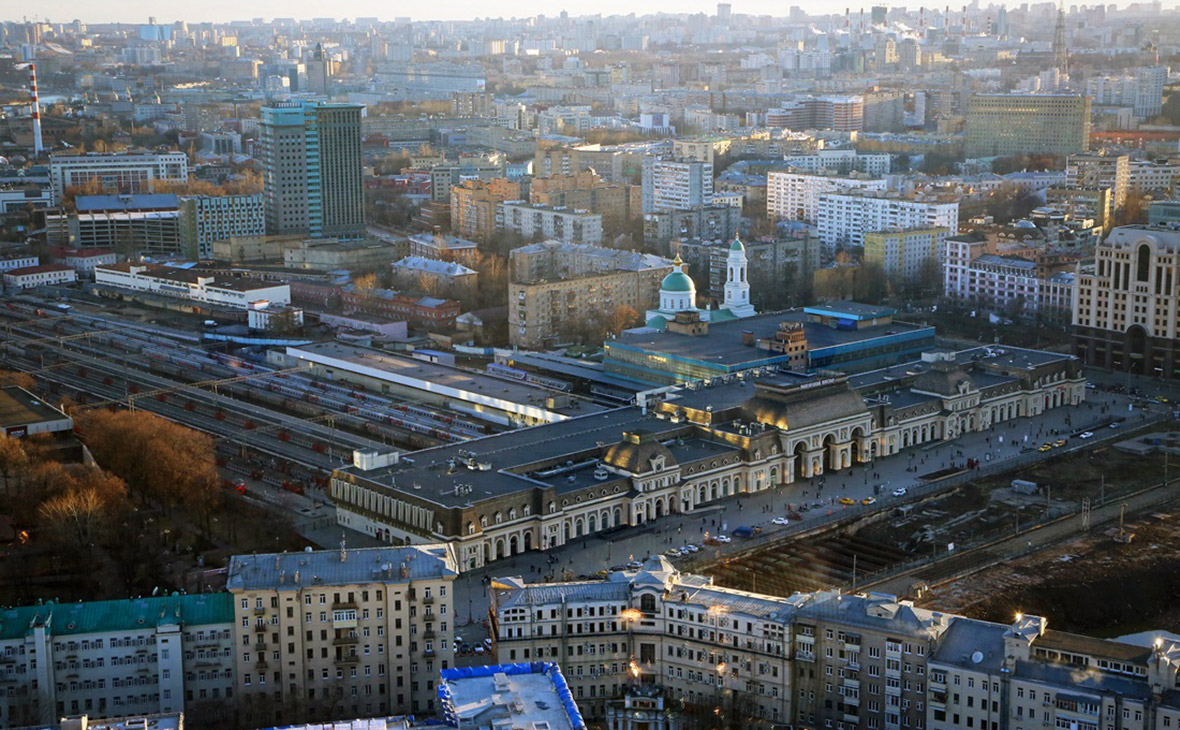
<point x="130" y="614"/>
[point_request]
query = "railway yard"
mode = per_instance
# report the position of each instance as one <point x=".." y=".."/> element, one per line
<point x="281" y="426"/>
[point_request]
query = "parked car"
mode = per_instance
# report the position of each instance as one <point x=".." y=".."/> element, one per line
<point x="724" y="538"/>
<point x="691" y="548"/>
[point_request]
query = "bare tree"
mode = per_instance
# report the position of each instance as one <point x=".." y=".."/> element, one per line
<point x="13" y="460"/>
<point x="14" y="377"/>
<point x="76" y="515"/>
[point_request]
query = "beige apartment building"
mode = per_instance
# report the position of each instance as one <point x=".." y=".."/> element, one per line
<point x="905" y="254"/>
<point x="347" y="633"/>
<point x="1026" y="676"/>
<point x="554" y="286"/>
<point x="532" y="221"/>
<point x="706" y="644"/>
<point x="474" y="205"/>
<point x="1101" y="170"/>
<point x="826" y="659"/>
<point x="586" y="191"/>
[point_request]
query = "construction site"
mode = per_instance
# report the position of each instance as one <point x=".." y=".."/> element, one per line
<point x="1029" y="516"/>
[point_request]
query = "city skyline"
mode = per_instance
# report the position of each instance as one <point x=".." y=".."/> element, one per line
<point x="719" y="366"/>
<point x="224" y="11"/>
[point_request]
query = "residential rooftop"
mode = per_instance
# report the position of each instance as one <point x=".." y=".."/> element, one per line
<point x="526" y="695"/>
<point x="322" y="568"/>
<point x="130" y="614"/>
<point x="139" y="201"/>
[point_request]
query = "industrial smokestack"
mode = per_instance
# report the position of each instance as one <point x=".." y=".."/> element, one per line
<point x="38" y="144"/>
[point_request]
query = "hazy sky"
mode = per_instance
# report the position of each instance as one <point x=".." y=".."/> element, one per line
<point x="137" y="11"/>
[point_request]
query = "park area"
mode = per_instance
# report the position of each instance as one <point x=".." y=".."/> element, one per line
<point x="141" y="509"/>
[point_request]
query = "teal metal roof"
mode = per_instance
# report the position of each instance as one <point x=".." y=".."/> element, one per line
<point x="677" y="281"/>
<point x="131" y="614"/>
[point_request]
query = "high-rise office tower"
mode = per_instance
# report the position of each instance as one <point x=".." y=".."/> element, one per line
<point x="311" y="161"/>
<point x="1011" y="124"/>
<point x="319" y="69"/>
<point x="1126" y="309"/>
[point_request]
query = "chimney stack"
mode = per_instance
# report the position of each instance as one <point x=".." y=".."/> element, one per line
<point x="38" y="144"/>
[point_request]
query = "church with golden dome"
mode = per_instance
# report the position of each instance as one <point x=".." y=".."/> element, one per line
<point x="678" y="292"/>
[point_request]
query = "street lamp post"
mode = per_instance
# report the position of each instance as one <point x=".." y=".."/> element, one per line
<point x="629" y="616"/>
<point x="720" y="681"/>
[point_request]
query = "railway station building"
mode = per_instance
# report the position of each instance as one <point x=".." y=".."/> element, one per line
<point x="681" y="448"/>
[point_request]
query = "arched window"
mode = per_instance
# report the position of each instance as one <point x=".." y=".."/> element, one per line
<point x="470" y="528"/>
<point x="499" y="518"/>
<point x="647" y="603"/>
<point x="527" y="510"/>
<point x="483" y="521"/>
<point x="1143" y="263"/>
<point x="512" y="514"/>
